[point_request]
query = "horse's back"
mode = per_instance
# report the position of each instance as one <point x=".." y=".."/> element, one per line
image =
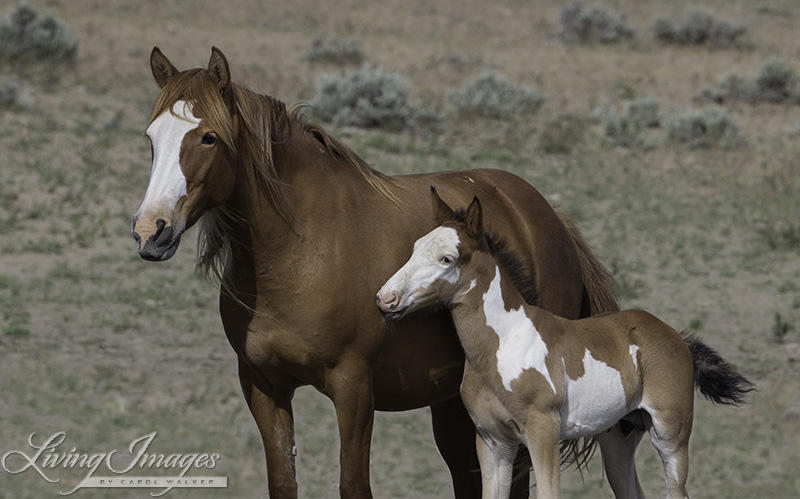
<point x="518" y="214"/>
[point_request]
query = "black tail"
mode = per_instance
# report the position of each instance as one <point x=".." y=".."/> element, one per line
<point x="714" y="377"/>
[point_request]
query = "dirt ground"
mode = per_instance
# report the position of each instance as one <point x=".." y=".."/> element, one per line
<point x="104" y="348"/>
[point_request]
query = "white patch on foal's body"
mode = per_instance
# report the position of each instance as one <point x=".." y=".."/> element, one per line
<point x="521" y="346"/>
<point x="167" y="182"/>
<point x="593" y="402"/>
<point x="633" y="349"/>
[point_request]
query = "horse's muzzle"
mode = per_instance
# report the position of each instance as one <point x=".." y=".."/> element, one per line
<point x="160" y="245"/>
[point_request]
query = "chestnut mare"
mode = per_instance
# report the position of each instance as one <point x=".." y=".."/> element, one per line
<point x="301" y="232"/>
<point x="534" y="378"/>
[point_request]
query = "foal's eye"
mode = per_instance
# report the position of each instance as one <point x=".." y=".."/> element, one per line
<point x="446" y="260"/>
<point x="208" y="139"/>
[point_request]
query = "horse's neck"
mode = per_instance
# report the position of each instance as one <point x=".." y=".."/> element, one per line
<point x="315" y="188"/>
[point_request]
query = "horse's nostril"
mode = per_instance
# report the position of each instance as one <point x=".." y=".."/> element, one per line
<point x="136" y="236"/>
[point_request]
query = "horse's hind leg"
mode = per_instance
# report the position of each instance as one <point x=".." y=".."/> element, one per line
<point x="618" y="461"/>
<point x="670" y="436"/>
<point x="272" y="411"/>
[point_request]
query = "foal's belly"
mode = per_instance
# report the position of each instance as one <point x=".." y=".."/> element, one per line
<point x="594" y="402"/>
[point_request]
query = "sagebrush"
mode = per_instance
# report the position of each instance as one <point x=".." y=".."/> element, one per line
<point x="368" y="98"/>
<point x="27" y="35"/>
<point x="699" y="28"/>
<point x="577" y="24"/>
<point x="492" y="95"/>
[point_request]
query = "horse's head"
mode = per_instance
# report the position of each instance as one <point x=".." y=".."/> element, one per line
<point x="433" y="274"/>
<point x="191" y="136"/>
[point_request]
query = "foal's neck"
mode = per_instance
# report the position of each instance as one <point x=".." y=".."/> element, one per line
<point x="488" y="292"/>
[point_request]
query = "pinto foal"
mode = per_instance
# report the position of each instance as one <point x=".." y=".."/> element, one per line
<point x="535" y="378"/>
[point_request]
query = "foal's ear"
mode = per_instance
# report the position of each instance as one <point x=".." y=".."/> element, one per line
<point x="218" y="69"/>
<point x="161" y="67"/>
<point x="442" y="212"/>
<point x="474" y="219"/>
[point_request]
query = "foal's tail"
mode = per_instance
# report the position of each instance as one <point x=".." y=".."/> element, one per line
<point x="598" y="284"/>
<point x="714" y="377"/>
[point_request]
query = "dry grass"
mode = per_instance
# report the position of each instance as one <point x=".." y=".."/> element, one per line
<point x="106" y="347"/>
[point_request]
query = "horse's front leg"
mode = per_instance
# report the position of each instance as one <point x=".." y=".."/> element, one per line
<point x="349" y="386"/>
<point x="272" y="410"/>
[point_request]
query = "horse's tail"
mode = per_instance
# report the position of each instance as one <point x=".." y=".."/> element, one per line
<point x="714" y="377"/>
<point x="598" y="284"/>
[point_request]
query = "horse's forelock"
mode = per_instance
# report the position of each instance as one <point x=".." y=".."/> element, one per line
<point x="196" y="87"/>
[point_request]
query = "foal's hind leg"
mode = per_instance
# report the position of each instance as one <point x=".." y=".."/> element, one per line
<point x="670" y="436"/>
<point x="618" y="461"/>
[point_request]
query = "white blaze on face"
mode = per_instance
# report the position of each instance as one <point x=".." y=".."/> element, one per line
<point x="167" y="182"/>
<point x="521" y="346"/>
<point x="425" y="268"/>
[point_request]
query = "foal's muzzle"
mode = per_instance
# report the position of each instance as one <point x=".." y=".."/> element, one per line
<point x="390" y="305"/>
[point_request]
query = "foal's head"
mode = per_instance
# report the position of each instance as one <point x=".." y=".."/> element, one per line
<point x="435" y="272"/>
<point x="191" y="134"/>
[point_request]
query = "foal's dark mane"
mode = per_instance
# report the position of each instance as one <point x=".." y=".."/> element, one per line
<point x="255" y="125"/>
<point x="522" y="276"/>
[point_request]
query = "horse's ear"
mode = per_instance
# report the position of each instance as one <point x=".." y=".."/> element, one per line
<point x="442" y="212"/>
<point x="161" y="67"/>
<point x="474" y="219"/>
<point x="219" y="70"/>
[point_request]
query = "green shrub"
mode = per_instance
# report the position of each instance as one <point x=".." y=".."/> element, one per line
<point x="698" y="28"/>
<point x="628" y="128"/>
<point x="777" y="83"/>
<point x="703" y="128"/>
<point x="25" y="35"/>
<point x="492" y="96"/>
<point x="336" y="51"/>
<point x="365" y="98"/>
<point x="595" y="24"/>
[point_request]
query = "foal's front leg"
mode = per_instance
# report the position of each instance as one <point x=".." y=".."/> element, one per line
<point x="496" y="459"/>
<point x="541" y="433"/>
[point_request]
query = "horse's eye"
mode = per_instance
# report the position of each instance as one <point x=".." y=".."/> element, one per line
<point x="208" y="139"/>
